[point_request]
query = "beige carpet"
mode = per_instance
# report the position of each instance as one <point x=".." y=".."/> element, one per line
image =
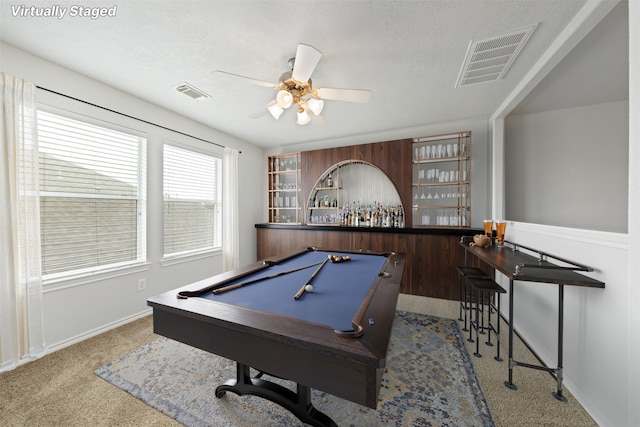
<point x="61" y="389"/>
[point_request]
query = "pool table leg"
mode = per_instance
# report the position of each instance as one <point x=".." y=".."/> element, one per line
<point x="299" y="403"/>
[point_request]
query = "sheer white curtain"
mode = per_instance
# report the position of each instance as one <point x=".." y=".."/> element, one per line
<point x="21" y="326"/>
<point x="230" y="239"/>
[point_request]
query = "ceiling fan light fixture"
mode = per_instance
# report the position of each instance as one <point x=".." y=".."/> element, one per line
<point x="295" y="87"/>
<point x="315" y="105"/>
<point x="275" y="109"/>
<point x="284" y="98"/>
<point x="303" y="117"/>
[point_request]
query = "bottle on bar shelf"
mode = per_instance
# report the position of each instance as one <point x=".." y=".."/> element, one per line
<point x="329" y="181"/>
<point x="376" y="215"/>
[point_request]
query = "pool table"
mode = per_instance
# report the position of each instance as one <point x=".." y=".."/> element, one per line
<point x="333" y="337"/>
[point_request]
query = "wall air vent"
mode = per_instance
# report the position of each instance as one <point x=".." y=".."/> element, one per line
<point x="489" y="59"/>
<point x="191" y="91"/>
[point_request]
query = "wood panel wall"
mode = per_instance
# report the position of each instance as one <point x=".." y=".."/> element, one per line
<point x="392" y="157"/>
<point x="430" y="268"/>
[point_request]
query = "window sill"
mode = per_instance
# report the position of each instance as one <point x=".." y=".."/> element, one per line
<point x="92" y="277"/>
<point x="179" y="259"/>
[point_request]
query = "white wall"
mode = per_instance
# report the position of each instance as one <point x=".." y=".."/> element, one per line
<point x="75" y="310"/>
<point x="633" y="284"/>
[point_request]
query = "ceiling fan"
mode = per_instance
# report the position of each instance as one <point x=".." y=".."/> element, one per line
<point x="295" y="88"/>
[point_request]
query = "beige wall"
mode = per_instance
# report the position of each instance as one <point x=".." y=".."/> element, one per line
<point x="569" y="167"/>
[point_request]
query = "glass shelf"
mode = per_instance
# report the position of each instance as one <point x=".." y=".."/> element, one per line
<point x="441" y="183"/>
<point x="284" y="189"/>
<point x="354" y="193"/>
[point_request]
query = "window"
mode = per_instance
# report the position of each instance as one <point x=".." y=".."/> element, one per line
<point x="92" y="196"/>
<point x="192" y="187"/>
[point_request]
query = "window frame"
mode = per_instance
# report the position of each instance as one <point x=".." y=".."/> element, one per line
<point x="118" y="268"/>
<point x="177" y="257"/>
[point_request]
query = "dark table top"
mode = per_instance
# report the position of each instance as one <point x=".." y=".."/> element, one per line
<point x="518" y="265"/>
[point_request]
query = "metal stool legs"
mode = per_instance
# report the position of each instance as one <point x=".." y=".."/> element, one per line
<point x="485" y="290"/>
<point x="465" y="298"/>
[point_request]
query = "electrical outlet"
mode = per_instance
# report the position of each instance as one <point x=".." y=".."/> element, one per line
<point x="142" y="284"/>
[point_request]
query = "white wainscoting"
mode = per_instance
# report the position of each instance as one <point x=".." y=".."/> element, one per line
<point x="595" y="320"/>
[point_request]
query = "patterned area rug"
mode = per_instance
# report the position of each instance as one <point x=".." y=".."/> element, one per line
<point x="429" y="381"/>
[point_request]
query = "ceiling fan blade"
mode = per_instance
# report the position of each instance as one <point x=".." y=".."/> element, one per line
<point x="307" y="57"/>
<point x="247" y="79"/>
<point x="348" y="95"/>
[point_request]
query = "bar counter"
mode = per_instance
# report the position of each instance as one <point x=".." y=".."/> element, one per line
<point x="432" y="253"/>
<point x="521" y="263"/>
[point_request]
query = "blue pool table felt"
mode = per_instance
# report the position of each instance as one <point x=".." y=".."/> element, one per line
<point x="339" y="288"/>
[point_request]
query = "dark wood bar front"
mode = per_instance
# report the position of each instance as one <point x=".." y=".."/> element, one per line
<point x="432" y="254"/>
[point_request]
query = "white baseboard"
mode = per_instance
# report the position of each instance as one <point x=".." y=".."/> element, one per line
<point x="97" y="331"/>
<point x="8" y="366"/>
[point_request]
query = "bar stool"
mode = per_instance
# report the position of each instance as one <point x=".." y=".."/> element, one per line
<point x="487" y="290"/>
<point x="465" y="295"/>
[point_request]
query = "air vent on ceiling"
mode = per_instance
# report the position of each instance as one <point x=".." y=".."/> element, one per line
<point x="489" y="59"/>
<point x="192" y="91"/>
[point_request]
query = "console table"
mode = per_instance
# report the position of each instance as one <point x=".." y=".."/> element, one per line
<point x="532" y="266"/>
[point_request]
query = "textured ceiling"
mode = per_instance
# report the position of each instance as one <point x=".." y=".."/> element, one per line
<point x="408" y="53"/>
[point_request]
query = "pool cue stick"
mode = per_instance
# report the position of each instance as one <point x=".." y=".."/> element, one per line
<point x="250" y="282"/>
<point x="301" y="291"/>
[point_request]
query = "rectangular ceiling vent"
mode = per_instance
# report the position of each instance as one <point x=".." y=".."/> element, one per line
<point x="191" y="91"/>
<point x="489" y="59"/>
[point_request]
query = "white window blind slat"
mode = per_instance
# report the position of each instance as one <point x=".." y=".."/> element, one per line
<point x="192" y="201"/>
<point x="92" y="196"/>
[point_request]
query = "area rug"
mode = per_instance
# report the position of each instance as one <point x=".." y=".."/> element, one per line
<point x="429" y="381"/>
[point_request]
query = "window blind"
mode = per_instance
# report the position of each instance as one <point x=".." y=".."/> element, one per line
<point x="92" y="195"/>
<point x="192" y="187"/>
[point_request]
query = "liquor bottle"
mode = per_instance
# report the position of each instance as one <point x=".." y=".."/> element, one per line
<point x="329" y="181"/>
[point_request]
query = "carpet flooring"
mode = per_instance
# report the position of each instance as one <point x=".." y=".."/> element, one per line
<point x="429" y="381"/>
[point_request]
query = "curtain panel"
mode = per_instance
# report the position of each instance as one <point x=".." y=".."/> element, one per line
<point x="21" y="323"/>
<point x="230" y="238"/>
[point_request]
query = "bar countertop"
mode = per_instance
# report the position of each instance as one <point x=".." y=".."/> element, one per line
<point x="518" y="265"/>
<point x="444" y="231"/>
